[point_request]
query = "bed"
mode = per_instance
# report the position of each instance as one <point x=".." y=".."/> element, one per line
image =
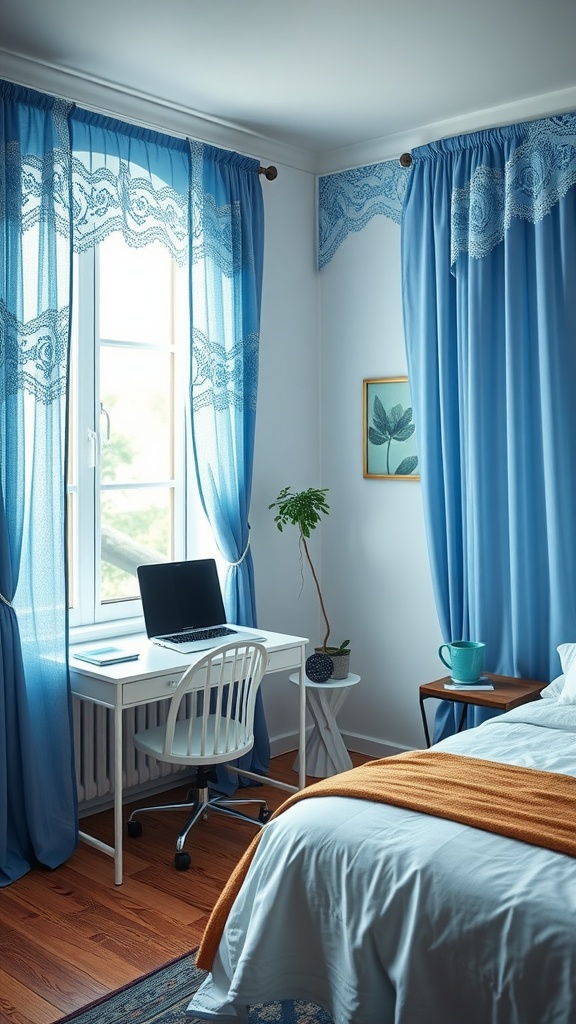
<point x="382" y="914"/>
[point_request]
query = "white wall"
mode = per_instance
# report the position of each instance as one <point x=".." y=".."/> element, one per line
<point x="375" y="567"/>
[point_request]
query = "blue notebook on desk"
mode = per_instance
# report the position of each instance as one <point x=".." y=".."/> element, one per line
<point x="105" y="655"/>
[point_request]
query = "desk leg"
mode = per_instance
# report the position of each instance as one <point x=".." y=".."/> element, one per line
<point x="118" y="830"/>
<point x="114" y="851"/>
<point x="302" y="729"/>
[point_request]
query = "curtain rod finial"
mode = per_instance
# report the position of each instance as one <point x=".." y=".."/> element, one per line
<point x="269" y="172"/>
<point x="405" y="160"/>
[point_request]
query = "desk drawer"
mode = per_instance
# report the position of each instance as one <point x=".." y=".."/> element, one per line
<point x="142" y="691"/>
<point x="281" y="661"/>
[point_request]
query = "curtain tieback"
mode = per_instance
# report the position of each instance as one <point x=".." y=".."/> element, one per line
<point x="9" y="603"/>
<point x="233" y="565"/>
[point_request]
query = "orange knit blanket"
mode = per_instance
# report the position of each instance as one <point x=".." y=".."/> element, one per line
<point x="523" y="803"/>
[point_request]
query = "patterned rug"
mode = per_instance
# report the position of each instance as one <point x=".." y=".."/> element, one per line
<point x="162" y="997"/>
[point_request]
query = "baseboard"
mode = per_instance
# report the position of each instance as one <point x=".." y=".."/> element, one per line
<point x="283" y="744"/>
<point x="366" y="745"/>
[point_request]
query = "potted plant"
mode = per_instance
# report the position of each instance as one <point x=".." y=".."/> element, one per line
<point x="304" y="511"/>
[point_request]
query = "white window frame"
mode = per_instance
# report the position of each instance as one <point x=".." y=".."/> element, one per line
<point x="192" y="536"/>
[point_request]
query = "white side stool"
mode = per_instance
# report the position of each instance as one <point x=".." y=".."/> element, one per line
<point x="325" y="751"/>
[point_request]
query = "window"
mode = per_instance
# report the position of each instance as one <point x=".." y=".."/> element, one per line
<point x="128" y="451"/>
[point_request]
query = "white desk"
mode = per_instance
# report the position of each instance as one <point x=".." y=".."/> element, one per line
<point x="325" y="751"/>
<point x="152" y="678"/>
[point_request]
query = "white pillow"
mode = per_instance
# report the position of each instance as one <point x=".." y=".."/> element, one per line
<point x="567" y="654"/>
<point x="553" y="690"/>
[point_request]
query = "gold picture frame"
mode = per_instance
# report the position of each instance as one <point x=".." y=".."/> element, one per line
<point x="390" y="451"/>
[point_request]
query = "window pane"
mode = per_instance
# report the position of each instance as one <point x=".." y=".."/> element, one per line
<point x="136" y="527"/>
<point x="127" y="424"/>
<point x="136" y="395"/>
<point x="135" y="292"/>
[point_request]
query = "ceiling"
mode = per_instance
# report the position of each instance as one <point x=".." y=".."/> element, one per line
<point x="317" y="75"/>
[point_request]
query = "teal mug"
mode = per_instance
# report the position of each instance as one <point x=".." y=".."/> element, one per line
<point x="465" y="660"/>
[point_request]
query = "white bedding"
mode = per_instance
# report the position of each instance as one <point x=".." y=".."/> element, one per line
<point x="382" y="915"/>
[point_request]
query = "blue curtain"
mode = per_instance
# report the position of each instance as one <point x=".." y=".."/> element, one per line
<point x="38" y="814"/>
<point x="226" y="291"/>
<point x="488" y="268"/>
<point x="69" y="178"/>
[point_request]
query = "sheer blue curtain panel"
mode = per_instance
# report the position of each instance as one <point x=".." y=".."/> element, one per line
<point x="226" y="293"/>
<point x="38" y="814"/>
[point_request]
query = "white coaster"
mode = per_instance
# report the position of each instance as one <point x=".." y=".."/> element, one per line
<point x="477" y="682"/>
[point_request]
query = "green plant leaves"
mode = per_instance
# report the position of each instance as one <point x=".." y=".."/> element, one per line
<point x="303" y="510"/>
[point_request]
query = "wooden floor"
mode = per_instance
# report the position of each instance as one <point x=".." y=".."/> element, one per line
<point x="69" y="936"/>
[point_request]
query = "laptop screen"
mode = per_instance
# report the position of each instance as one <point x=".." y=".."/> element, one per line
<point x="180" y="595"/>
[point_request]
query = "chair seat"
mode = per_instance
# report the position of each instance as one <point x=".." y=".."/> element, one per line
<point x="151" y="741"/>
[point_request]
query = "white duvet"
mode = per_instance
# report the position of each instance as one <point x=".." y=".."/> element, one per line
<point x="386" y="916"/>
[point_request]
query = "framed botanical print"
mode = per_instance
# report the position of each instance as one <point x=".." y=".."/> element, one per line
<point x="389" y="442"/>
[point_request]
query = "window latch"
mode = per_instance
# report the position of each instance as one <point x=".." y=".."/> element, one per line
<point x="104" y="412"/>
<point x="92" y="448"/>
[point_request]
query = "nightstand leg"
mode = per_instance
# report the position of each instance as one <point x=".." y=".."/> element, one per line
<point x="462" y="721"/>
<point x="424" y="722"/>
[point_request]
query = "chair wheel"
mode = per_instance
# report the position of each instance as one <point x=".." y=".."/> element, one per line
<point x="134" y="829"/>
<point x="182" y="861"/>
<point x="264" y="814"/>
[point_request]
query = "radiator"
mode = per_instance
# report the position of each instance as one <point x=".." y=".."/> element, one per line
<point x="94" y="753"/>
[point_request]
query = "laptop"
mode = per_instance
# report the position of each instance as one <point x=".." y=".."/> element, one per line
<point x="183" y="606"/>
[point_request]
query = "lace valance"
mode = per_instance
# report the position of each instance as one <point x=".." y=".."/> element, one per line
<point x="539" y="168"/>
<point x="348" y="201"/>
<point x="520" y="171"/>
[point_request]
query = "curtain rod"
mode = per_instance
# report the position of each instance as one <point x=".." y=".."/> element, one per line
<point x="269" y="172"/>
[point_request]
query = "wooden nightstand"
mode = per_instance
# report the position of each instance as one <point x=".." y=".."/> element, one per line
<point x="508" y="693"/>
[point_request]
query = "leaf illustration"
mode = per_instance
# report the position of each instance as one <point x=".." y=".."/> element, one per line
<point x="407" y="466"/>
<point x="394" y="425"/>
<point x="403" y="435"/>
<point x="375" y="436"/>
<point x="381" y="424"/>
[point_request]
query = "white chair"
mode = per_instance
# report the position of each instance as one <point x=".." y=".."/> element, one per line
<point x="220" y="691"/>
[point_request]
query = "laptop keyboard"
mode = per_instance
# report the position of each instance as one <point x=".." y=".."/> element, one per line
<point x="200" y="634"/>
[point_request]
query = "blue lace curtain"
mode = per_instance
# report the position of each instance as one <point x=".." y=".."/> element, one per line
<point x="489" y="264"/>
<point x="38" y="812"/>
<point x="226" y="291"/>
<point x="71" y="177"/>
<point x="131" y="180"/>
